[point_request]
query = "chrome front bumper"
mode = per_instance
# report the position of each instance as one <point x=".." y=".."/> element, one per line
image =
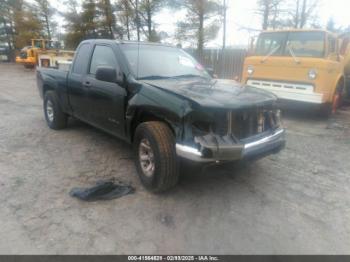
<point x="228" y="150"/>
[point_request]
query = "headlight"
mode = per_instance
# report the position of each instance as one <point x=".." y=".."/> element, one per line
<point x="274" y="117"/>
<point x="278" y="118"/>
<point x="250" y="70"/>
<point x="312" y="74"/>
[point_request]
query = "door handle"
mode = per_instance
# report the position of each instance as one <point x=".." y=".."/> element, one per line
<point x="87" y="84"/>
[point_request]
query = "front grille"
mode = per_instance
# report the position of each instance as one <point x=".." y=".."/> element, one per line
<point x="245" y="124"/>
<point x="278" y="86"/>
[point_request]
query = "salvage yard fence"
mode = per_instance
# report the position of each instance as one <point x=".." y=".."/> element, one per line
<point x="227" y="63"/>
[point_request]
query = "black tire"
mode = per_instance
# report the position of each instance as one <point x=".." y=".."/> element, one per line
<point x="325" y="110"/>
<point x="29" y="66"/>
<point x="58" y="119"/>
<point x="166" y="166"/>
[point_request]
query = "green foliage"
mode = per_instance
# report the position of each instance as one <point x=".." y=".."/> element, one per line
<point x="45" y="13"/>
<point x="202" y="22"/>
<point x="20" y="23"/>
<point x="139" y="15"/>
<point x="74" y="27"/>
<point x="126" y="18"/>
<point x="95" y="20"/>
<point x="107" y="22"/>
<point x="89" y="19"/>
<point x="147" y="9"/>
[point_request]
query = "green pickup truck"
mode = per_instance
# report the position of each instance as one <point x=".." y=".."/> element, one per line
<point x="159" y="99"/>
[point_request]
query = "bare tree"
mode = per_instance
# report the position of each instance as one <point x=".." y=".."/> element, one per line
<point x="270" y="11"/>
<point x="303" y="13"/>
<point x="145" y="11"/>
<point x="224" y="24"/>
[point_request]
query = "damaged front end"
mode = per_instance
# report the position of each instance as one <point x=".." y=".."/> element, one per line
<point x="228" y="135"/>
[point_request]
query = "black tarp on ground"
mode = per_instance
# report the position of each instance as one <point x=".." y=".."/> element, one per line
<point x="104" y="190"/>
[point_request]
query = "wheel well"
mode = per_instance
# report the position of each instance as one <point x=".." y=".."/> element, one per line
<point x="144" y="116"/>
<point x="47" y="88"/>
<point x="340" y="84"/>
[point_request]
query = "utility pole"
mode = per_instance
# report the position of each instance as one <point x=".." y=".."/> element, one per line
<point x="137" y="20"/>
<point x="222" y="63"/>
<point x="224" y="33"/>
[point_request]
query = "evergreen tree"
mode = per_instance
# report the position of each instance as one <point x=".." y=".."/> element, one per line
<point x="74" y="27"/>
<point x="126" y="18"/>
<point x="107" y="22"/>
<point x="202" y="22"/>
<point x="89" y="19"/>
<point x="45" y="12"/>
<point x="148" y="8"/>
<point x="20" y="23"/>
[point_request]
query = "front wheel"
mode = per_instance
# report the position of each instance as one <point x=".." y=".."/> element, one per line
<point x="28" y="66"/>
<point x="54" y="116"/>
<point x="155" y="156"/>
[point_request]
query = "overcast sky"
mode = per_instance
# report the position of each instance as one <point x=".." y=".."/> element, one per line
<point x="242" y="14"/>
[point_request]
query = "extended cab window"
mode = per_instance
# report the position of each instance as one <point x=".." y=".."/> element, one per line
<point x="81" y="60"/>
<point x="103" y="55"/>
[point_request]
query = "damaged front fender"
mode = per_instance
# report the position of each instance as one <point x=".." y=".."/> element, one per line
<point x="151" y="105"/>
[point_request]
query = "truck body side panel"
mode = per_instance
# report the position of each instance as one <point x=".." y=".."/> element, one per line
<point x="56" y="80"/>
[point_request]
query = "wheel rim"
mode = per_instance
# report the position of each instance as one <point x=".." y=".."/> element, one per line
<point x="146" y="158"/>
<point x="49" y="110"/>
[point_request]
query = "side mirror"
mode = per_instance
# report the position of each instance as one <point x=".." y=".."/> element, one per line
<point x="211" y="72"/>
<point x="106" y="73"/>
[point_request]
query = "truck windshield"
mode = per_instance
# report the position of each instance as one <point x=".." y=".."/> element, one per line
<point x="270" y="44"/>
<point x="301" y="44"/>
<point x="157" y="62"/>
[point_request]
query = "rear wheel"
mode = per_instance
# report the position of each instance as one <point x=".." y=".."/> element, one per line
<point x="155" y="156"/>
<point x="339" y="96"/>
<point x="54" y="116"/>
<point x="326" y="110"/>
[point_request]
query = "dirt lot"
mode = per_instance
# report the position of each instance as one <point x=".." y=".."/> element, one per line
<point x="295" y="202"/>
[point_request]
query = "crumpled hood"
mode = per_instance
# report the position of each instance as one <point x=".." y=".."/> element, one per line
<point x="215" y="94"/>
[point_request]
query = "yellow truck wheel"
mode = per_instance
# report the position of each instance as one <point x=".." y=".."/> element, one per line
<point x="28" y="66"/>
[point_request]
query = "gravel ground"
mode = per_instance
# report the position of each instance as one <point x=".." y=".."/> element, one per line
<point x="296" y="202"/>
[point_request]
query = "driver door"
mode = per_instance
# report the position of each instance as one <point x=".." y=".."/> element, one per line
<point x="105" y="100"/>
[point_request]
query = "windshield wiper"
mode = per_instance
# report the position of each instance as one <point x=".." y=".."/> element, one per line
<point x="271" y="53"/>
<point x="290" y="49"/>
<point x="153" y="77"/>
<point x="186" y="75"/>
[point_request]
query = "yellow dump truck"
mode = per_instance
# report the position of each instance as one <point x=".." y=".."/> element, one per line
<point x="300" y="65"/>
<point x="43" y="53"/>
